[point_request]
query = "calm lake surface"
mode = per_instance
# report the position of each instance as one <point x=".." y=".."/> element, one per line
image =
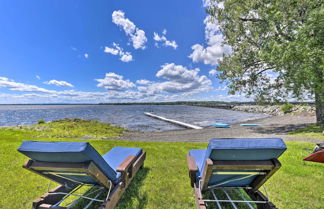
<point x="128" y="116"/>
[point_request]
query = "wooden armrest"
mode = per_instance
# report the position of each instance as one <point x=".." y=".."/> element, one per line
<point x="192" y="165"/>
<point x="193" y="168"/>
<point x="123" y="167"/>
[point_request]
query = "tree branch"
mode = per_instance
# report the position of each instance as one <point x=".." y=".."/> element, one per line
<point x="262" y="71"/>
<point x="255" y="63"/>
<point x="250" y="19"/>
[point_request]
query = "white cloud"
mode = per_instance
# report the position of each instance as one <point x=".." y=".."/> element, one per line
<point x="176" y="82"/>
<point x="218" y="4"/>
<point x="58" y="83"/>
<point x="127" y="57"/>
<point x="215" y="50"/>
<point x="139" y="39"/>
<point x="55" y="97"/>
<point x="143" y="82"/>
<point x="206" y="3"/>
<point x="86" y="55"/>
<point x="229" y="98"/>
<point x="117" y="50"/>
<point x="120" y="89"/>
<point x="176" y="75"/>
<point x="137" y="35"/>
<point x="211" y="28"/>
<point x="164" y="40"/>
<point x="111" y="50"/>
<point x="221" y="88"/>
<point x="114" y="82"/>
<point x="118" y="17"/>
<point x="38" y="77"/>
<point x="15" y="86"/>
<point x="179" y="80"/>
<point x="212" y="72"/>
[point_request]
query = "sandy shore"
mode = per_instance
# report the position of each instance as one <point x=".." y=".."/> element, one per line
<point x="276" y="126"/>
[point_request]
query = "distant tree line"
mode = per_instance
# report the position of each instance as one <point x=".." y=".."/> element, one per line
<point x="205" y="103"/>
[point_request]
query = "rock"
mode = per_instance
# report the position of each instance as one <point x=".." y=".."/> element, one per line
<point x="272" y="109"/>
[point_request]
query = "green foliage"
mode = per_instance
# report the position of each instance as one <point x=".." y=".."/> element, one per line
<point x="164" y="170"/>
<point x="310" y="129"/>
<point x="309" y="132"/>
<point x="71" y="128"/>
<point x="277" y="48"/>
<point x="40" y="121"/>
<point x="286" y="108"/>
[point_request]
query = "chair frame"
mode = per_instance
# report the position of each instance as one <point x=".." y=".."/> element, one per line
<point x="268" y="166"/>
<point x="128" y="169"/>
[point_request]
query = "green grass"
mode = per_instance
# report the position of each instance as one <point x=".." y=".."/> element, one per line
<point x="309" y="132"/>
<point x="71" y="128"/>
<point x="286" y="108"/>
<point x="164" y="181"/>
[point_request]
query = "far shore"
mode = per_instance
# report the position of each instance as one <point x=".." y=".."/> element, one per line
<point x="273" y="126"/>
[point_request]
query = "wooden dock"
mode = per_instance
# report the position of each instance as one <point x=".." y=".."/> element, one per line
<point x="186" y="125"/>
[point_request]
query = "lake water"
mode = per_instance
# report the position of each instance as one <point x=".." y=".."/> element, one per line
<point x="128" y="116"/>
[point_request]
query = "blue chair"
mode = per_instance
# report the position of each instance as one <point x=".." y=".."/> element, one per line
<point x="234" y="166"/>
<point x="76" y="164"/>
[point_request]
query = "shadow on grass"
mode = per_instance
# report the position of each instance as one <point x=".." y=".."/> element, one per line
<point x="284" y="129"/>
<point x="226" y="205"/>
<point x="133" y="198"/>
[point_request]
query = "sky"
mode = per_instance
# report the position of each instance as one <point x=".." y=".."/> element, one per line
<point x="83" y="51"/>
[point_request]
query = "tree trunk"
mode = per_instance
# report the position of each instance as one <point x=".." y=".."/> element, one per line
<point x="319" y="97"/>
<point x="319" y="102"/>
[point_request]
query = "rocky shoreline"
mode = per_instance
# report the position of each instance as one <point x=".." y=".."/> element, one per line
<point x="271" y="127"/>
<point x="274" y="110"/>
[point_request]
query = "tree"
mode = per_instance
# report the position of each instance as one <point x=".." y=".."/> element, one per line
<point x="277" y="48"/>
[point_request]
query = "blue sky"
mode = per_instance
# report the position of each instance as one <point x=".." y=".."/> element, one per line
<point x="83" y="51"/>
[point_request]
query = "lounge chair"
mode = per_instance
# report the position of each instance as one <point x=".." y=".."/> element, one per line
<point x="77" y="164"/>
<point x="317" y="155"/>
<point x="232" y="168"/>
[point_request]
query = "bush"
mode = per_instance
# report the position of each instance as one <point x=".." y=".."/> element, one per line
<point x="41" y="121"/>
<point x="286" y="108"/>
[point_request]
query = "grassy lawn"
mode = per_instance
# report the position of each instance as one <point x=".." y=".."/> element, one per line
<point x="71" y="128"/>
<point x="309" y="132"/>
<point x="164" y="182"/>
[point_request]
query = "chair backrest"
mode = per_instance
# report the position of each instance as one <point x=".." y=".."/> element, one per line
<point x="67" y="162"/>
<point x="238" y="162"/>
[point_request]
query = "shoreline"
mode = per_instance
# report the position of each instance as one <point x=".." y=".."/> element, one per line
<point x="272" y="127"/>
<point x="274" y="110"/>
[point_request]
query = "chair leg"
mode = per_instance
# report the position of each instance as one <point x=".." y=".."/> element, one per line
<point x="199" y="200"/>
<point x="120" y="188"/>
<point x="114" y="197"/>
<point x="47" y="200"/>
